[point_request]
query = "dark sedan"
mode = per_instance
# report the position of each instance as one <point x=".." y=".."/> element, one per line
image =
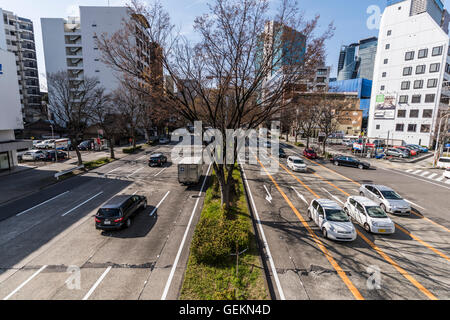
<point x="349" y="162"/>
<point x="50" y="155"/>
<point x="157" y="159"/>
<point x="118" y="211"/>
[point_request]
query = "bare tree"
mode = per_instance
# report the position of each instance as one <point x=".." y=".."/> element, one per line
<point x="327" y="119"/>
<point x="71" y="101"/>
<point x="237" y="74"/>
<point x="308" y="116"/>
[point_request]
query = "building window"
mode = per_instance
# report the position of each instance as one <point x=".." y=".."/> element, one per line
<point x="414" y="113"/>
<point x="447" y="68"/>
<point x="399" y="127"/>
<point x="384" y="75"/>
<point x="401" y="114"/>
<point x="429" y="98"/>
<point x="416" y="98"/>
<point x="427" y="113"/>
<point x="418" y="84"/>
<point x="423" y="53"/>
<point x="95" y="48"/>
<point x="409" y="55"/>
<point x="403" y="99"/>
<point x="434" y="67"/>
<point x="94" y="25"/>
<point x="432" y="83"/>
<point x="405" y="85"/>
<point x="407" y="71"/>
<point x="377" y="127"/>
<point x="382" y="88"/>
<point x="412" y="127"/>
<point x="437" y="51"/>
<point x="386" y="61"/>
<point x="389" y="32"/>
<point x="420" y="69"/>
<point x="425" y="128"/>
<point x="388" y="46"/>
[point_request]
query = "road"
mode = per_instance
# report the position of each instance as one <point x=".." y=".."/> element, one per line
<point x="413" y="263"/>
<point x="50" y="248"/>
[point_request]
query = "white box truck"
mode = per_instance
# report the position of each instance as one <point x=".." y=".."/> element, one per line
<point x="190" y="170"/>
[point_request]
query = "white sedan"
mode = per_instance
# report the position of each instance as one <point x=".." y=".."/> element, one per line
<point x="332" y="220"/>
<point x="296" y="164"/>
<point x="33" y="155"/>
<point x="369" y="215"/>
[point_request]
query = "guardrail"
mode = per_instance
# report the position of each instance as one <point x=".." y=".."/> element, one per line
<point x="61" y="173"/>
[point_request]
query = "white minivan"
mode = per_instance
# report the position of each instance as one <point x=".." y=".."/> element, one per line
<point x="444" y="162"/>
<point x="332" y="220"/>
<point x="369" y="215"/>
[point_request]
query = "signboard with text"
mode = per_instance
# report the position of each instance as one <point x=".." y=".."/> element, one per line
<point x="385" y="106"/>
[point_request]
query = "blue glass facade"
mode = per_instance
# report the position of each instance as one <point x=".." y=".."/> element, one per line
<point x="363" y="88"/>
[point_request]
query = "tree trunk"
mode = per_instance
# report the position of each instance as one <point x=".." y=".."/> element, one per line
<point x="80" y="161"/>
<point x="295" y="135"/>
<point x="307" y="141"/>
<point x="324" y="145"/>
<point x="287" y="135"/>
<point x="111" y="148"/>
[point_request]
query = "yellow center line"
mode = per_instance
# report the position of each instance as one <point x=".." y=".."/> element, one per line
<point x="358" y="184"/>
<point x="319" y="243"/>
<point x="379" y="251"/>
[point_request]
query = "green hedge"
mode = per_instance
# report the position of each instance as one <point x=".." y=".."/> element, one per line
<point x="131" y="149"/>
<point x="97" y="163"/>
<point x="299" y="144"/>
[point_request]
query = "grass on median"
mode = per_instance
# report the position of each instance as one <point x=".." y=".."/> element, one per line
<point x="211" y="270"/>
<point x="90" y="165"/>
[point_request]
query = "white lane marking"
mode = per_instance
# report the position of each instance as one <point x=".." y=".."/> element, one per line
<point x="136" y="171"/>
<point x="425" y="173"/>
<point x="447" y="182"/>
<point x="336" y="198"/>
<point x="432" y="176"/>
<point x="97" y="283"/>
<point x="24" y="283"/>
<point x="265" y="243"/>
<point x="413" y="177"/>
<point x="417" y="172"/>
<point x="157" y="206"/>
<point x="415" y="204"/>
<point x="82" y="204"/>
<point x="300" y="196"/>
<point x="159" y="172"/>
<point x="409" y="170"/>
<point x="144" y="156"/>
<point x="268" y="196"/>
<point x="19" y="214"/>
<point x="175" y="263"/>
<point x="134" y="193"/>
<point x="112" y="170"/>
<point x="440" y="179"/>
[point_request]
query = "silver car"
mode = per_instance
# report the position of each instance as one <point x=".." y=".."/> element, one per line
<point x="389" y="200"/>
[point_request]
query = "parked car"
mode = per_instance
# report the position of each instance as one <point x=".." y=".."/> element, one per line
<point x="415" y="148"/>
<point x="410" y="151"/>
<point x="46" y="144"/>
<point x="379" y="143"/>
<point x="310" y="153"/>
<point x="447" y="173"/>
<point x="389" y="200"/>
<point x="369" y="215"/>
<point x="296" y="164"/>
<point x="163" y="140"/>
<point x="422" y="149"/>
<point x="444" y="162"/>
<point x="33" y="155"/>
<point x="157" y="159"/>
<point x="414" y="151"/>
<point x="118" y="211"/>
<point x="349" y="162"/>
<point x="85" y="145"/>
<point x="50" y="155"/>
<point x="395" y="152"/>
<point x="332" y="220"/>
<point x="35" y="142"/>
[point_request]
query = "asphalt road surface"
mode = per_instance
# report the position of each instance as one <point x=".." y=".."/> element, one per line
<point x="50" y="249"/>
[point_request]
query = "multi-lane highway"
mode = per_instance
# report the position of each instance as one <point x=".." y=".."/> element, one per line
<point x="50" y="249"/>
<point x="413" y="263"/>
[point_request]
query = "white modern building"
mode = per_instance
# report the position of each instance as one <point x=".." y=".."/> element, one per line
<point x="411" y="72"/>
<point x="10" y="112"/>
<point x="17" y="36"/>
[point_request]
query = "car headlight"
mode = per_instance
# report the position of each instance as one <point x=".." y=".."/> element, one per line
<point x="375" y="224"/>
<point x="332" y="228"/>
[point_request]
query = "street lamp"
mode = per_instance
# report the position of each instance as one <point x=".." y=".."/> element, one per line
<point x="437" y="141"/>
<point x="54" y="143"/>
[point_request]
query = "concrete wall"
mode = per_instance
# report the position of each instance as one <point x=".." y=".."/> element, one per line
<point x="54" y="46"/>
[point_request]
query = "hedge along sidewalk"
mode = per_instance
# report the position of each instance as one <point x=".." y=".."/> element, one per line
<point x="211" y="270"/>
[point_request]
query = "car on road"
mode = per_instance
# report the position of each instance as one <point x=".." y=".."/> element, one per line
<point x="281" y="153"/>
<point x="369" y="215"/>
<point x="447" y="173"/>
<point x="389" y="200"/>
<point x="310" y="153"/>
<point x="50" y="155"/>
<point x="332" y="220"/>
<point x="163" y="140"/>
<point x="118" y="211"/>
<point x="398" y="153"/>
<point x="33" y="155"/>
<point x="349" y="162"/>
<point x="296" y="164"/>
<point x="443" y="162"/>
<point x="157" y="159"/>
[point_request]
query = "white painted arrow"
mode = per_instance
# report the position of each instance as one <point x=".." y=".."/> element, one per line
<point x="300" y="195"/>
<point x="269" y="196"/>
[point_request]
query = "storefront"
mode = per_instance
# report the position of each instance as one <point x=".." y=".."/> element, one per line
<point x="5" y="163"/>
<point x="8" y="153"/>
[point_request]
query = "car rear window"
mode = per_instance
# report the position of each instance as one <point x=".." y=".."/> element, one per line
<point x="108" y="213"/>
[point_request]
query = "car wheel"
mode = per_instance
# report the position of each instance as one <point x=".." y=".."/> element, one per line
<point x="360" y="166"/>
<point x="336" y="163"/>
<point x="309" y="215"/>
<point x="128" y="222"/>
<point x="367" y="227"/>
<point x="324" y="232"/>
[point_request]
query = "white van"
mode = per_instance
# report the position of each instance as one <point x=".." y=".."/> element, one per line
<point x="444" y="162"/>
<point x="190" y="169"/>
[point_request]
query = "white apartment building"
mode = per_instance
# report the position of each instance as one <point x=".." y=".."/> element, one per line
<point x="10" y="112"/>
<point x="17" y="36"/>
<point x="411" y="72"/>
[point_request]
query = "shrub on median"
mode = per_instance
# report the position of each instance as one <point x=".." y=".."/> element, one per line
<point x="131" y="149"/>
<point x="96" y="163"/>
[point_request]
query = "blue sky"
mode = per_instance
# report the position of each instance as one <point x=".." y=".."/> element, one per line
<point x="349" y="16"/>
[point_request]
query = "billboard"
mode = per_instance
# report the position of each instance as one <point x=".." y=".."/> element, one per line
<point x="385" y="106"/>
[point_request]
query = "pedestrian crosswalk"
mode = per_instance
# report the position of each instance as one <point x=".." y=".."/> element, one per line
<point x="435" y="176"/>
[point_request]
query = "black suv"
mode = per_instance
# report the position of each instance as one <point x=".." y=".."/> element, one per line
<point x="157" y="159"/>
<point x="117" y="212"/>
